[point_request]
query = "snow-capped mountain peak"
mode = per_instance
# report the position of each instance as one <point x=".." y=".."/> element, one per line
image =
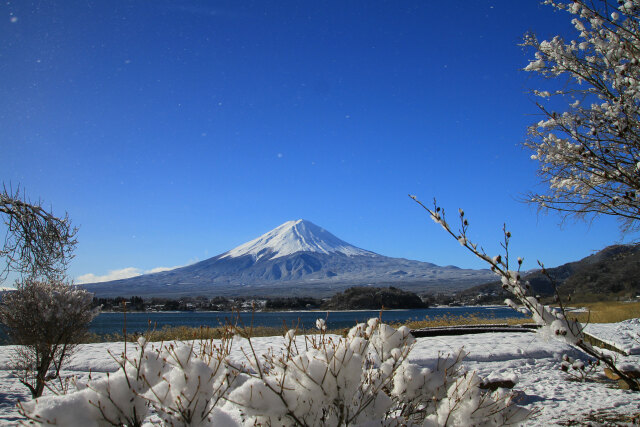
<point x="292" y="237"/>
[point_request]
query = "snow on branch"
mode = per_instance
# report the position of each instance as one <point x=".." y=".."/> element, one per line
<point x="589" y="154"/>
<point x="45" y="319"/>
<point x="554" y="321"/>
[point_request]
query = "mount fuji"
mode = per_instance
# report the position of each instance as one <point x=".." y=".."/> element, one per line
<point x="298" y="258"/>
<point x="292" y="237"/>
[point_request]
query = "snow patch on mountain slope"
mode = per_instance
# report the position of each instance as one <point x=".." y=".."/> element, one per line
<point x="292" y="237"/>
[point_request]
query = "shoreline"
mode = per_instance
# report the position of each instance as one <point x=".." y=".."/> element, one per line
<point x="488" y="307"/>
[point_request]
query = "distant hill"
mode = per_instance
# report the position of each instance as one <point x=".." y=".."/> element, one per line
<point x="372" y="298"/>
<point x="612" y="272"/>
<point x="298" y="258"/>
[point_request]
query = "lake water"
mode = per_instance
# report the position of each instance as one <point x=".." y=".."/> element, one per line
<point x="107" y="323"/>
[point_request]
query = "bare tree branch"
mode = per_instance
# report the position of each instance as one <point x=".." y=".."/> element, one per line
<point x="37" y="243"/>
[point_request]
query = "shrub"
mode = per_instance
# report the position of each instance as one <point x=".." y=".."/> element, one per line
<point x="363" y="378"/>
<point x="45" y="318"/>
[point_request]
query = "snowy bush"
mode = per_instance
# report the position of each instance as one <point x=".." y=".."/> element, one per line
<point x="467" y="405"/>
<point x="182" y="383"/>
<point x="45" y="318"/>
<point x="326" y="380"/>
<point x="192" y="382"/>
<point x="115" y="398"/>
<point x="363" y="378"/>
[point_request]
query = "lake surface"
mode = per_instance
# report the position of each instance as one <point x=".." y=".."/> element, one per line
<point x="107" y="323"/>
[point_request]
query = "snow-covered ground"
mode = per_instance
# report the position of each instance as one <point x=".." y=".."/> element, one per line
<point x="534" y="360"/>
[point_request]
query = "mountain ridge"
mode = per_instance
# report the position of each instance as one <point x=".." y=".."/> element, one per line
<point x="295" y="258"/>
<point x="613" y="271"/>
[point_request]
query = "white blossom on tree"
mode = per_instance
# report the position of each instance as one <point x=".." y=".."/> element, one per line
<point x="588" y="142"/>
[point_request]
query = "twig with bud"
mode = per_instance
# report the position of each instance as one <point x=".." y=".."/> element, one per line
<point x="553" y="320"/>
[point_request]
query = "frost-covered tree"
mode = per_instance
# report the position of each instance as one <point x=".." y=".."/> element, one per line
<point x="588" y="143"/>
<point x="45" y="319"/>
<point x="36" y="242"/>
<point x="44" y="316"/>
<point x="553" y="321"/>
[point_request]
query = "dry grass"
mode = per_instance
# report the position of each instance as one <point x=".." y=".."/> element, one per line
<point x="187" y="333"/>
<point x="429" y="322"/>
<point x="184" y="333"/>
<point x="609" y="312"/>
<point x="171" y="333"/>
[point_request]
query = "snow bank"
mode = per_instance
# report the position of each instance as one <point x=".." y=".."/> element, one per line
<point x="623" y="335"/>
<point x="528" y="359"/>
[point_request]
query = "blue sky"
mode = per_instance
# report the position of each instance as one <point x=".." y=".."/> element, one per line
<point x="172" y="131"/>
